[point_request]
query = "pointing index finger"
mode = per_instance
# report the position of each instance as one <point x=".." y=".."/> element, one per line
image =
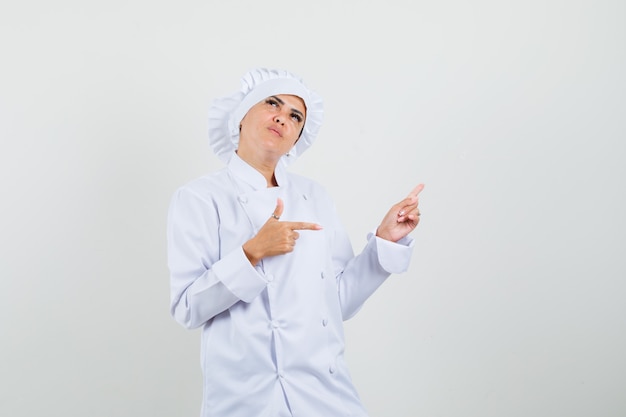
<point x="304" y="226"/>
<point x="415" y="192"/>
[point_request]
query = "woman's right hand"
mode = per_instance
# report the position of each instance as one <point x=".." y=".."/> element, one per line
<point x="275" y="237"/>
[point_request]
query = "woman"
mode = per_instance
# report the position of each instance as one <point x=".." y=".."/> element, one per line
<point x="259" y="259"/>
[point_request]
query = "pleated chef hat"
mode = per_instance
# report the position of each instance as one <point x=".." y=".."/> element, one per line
<point x="226" y="113"/>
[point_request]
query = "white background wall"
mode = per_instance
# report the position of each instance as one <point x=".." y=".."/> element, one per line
<point x="512" y="113"/>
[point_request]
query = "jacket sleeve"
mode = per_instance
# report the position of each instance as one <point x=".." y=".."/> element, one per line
<point x="359" y="276"/>
<point x="204" y="282"/>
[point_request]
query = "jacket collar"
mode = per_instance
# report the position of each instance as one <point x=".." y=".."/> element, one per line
<point x="248" y="174"/>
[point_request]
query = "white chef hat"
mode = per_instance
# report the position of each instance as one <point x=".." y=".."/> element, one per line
<point x="226" y="113"/>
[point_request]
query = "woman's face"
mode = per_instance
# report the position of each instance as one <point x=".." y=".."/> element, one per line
<point x="271" y="127"/>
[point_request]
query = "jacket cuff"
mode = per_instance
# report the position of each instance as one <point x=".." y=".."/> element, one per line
<point x="394" y="257"/>
<point x="238" y="275"/>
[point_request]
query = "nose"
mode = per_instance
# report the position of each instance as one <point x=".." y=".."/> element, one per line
<point x="278" y="119"/>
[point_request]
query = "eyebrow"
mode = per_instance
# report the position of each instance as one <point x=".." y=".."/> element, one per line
<point x="292" y="109"/>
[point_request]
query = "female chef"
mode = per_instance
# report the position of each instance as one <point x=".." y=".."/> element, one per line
<point x="259" y="259"/>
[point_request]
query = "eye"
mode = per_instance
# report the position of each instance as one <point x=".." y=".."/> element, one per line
<point x="296" y="117"/>
<point x="272" y="102"/>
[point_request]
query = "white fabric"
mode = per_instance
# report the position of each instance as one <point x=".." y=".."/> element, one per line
<point x="272" y="336"/>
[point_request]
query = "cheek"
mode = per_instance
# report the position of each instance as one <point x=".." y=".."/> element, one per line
<point x="295" y="136"/>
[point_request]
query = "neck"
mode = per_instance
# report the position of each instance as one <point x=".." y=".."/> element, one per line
<point x="264" y="166"/>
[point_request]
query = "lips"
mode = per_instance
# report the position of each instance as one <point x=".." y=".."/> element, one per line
<point x="275" y="131"/>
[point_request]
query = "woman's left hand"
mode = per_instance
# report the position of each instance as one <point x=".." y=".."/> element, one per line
<point x="402" y="218"/>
